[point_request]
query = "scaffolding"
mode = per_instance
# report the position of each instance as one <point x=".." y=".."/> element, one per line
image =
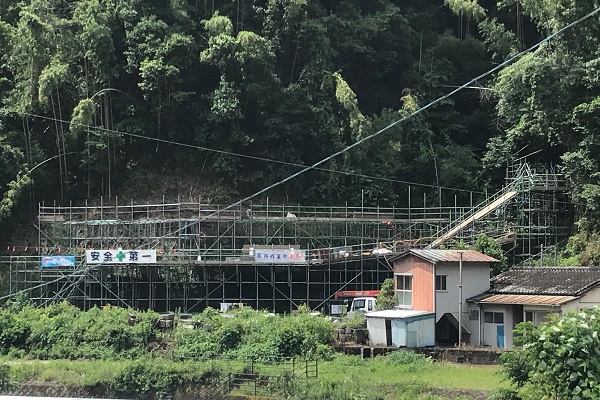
<point x="204" y="249"/>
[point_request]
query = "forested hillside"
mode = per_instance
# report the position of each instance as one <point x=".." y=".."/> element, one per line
<point x="106" y="97"/>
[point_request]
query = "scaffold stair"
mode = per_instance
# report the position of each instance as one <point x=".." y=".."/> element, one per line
<point x="523" y="181"/>
<point x="469" y="220"/>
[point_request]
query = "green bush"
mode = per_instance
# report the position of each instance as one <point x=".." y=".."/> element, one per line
<point x="196" y="344"/>
<point x="387" y="297"/>
<point x="14" y="332"/>
<point x="4" y="378"/>
<point x="261" y="352"/>
<point x="406" y="357"/>
<point x="142" y="377"/>
<point x="255" y="334"/>
<point x="559" y="358"/>
<point x="516" y="365"/>
<point x="159" y="378"/>
<point x="63" y="331"/>
<point x="229" y="336"/>
<point x="357" y="321"/>
<point x="504" y="394"/>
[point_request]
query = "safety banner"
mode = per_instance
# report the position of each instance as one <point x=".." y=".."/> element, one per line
<point x="280" y="256"/>
<point x="120" y="256"/>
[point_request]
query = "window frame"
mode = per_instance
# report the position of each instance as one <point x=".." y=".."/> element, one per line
<point x="497" y="317"/>
<point x="443" y="283"/>
<point x="404" y="295"/>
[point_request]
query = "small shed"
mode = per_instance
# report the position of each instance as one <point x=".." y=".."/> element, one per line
<point x="401" y="328"/>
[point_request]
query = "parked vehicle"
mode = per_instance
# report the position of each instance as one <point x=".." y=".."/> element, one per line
<point x="348" y="302"/>
<point x="362" y="305"/>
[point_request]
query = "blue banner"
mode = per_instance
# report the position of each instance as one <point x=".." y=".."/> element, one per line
<point x="58" y="261"/>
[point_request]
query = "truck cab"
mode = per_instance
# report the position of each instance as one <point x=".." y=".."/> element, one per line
<point x="362" y="305"/>
<point x="353" y="301"/>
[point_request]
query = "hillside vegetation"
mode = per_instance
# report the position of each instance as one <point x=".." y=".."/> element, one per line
<point x="139" y="98"/>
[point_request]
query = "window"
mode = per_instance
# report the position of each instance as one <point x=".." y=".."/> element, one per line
<point x="370" y="305"/>
<point x="404" y="290"/>
<point x="440" y="282"/>
<point x="537" y="317"/>
<point x="359" y="304"/>
<point x="493" y="317"/>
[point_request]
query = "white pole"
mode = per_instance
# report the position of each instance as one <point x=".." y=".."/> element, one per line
<point x="460" y="287"/>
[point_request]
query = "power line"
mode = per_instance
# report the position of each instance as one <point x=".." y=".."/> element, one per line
<point x="92" y="129"/>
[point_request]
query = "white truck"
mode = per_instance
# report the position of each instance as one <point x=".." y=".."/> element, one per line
<point x="356" y="301"/>
<point x="362" y="305"/>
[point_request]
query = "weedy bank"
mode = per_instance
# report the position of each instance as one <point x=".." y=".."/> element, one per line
<point x="122" y="352"/>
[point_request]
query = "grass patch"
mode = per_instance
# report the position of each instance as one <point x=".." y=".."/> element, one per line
<point x="380" y="378"/>
<point x="435" y="374"/>
<point x="72" y="373"/>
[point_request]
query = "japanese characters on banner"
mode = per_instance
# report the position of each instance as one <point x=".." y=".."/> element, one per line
<point x="280" y="256"/>
<point x="120" y="256"/>
<point x="58" y="261"/>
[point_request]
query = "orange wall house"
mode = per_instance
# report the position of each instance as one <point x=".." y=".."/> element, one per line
<point x="429" y="280"/>
<point x="423" y="281"/>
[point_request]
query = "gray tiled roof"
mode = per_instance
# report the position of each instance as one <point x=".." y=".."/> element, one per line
<point x="565" y="281"/>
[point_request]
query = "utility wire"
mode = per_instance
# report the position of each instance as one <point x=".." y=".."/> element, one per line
<point x="306" y="169"/>
<point x="94" y="129"/>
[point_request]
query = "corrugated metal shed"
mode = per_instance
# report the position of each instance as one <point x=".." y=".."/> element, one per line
<point x="536" y="300"/>
<point x="401" y="328"/>
<point x="435" y="255"/>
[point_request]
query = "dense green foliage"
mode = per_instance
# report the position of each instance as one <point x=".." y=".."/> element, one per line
<point x="63" y="331"/>
<point x="492" y="248"/>
<point x="97" y="94"/>
<point x="559" y="359"/>
<point x="159" y="378"/>
<point x="292" y="81"/>
<point x="387" y="296"/>
<point x="260" y="335"/>
<point x="4" y="378"/>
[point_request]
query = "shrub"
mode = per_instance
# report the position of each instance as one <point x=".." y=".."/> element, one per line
<point x="159" y="377"/>
<point x="358" y="321"/>
<point x="229" y="336"/>
<point x="142" y="377"/>
<point x="559" y="357"/>
<point x="516" y="366"/>
<point x="63" y="331"/>
<point x="387" y="297"/>
<point x="4" y="378"/>
<point x="406" y="357"/>
<point x="14" y="332"/>
<point x="197" y="344"/>
<point x="504" y="394"/>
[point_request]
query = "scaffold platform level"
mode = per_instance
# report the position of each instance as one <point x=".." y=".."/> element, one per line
<point x="192" y="286"/>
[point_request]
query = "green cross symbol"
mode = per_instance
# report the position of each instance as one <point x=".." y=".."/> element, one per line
<point x="121" y="256"/>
